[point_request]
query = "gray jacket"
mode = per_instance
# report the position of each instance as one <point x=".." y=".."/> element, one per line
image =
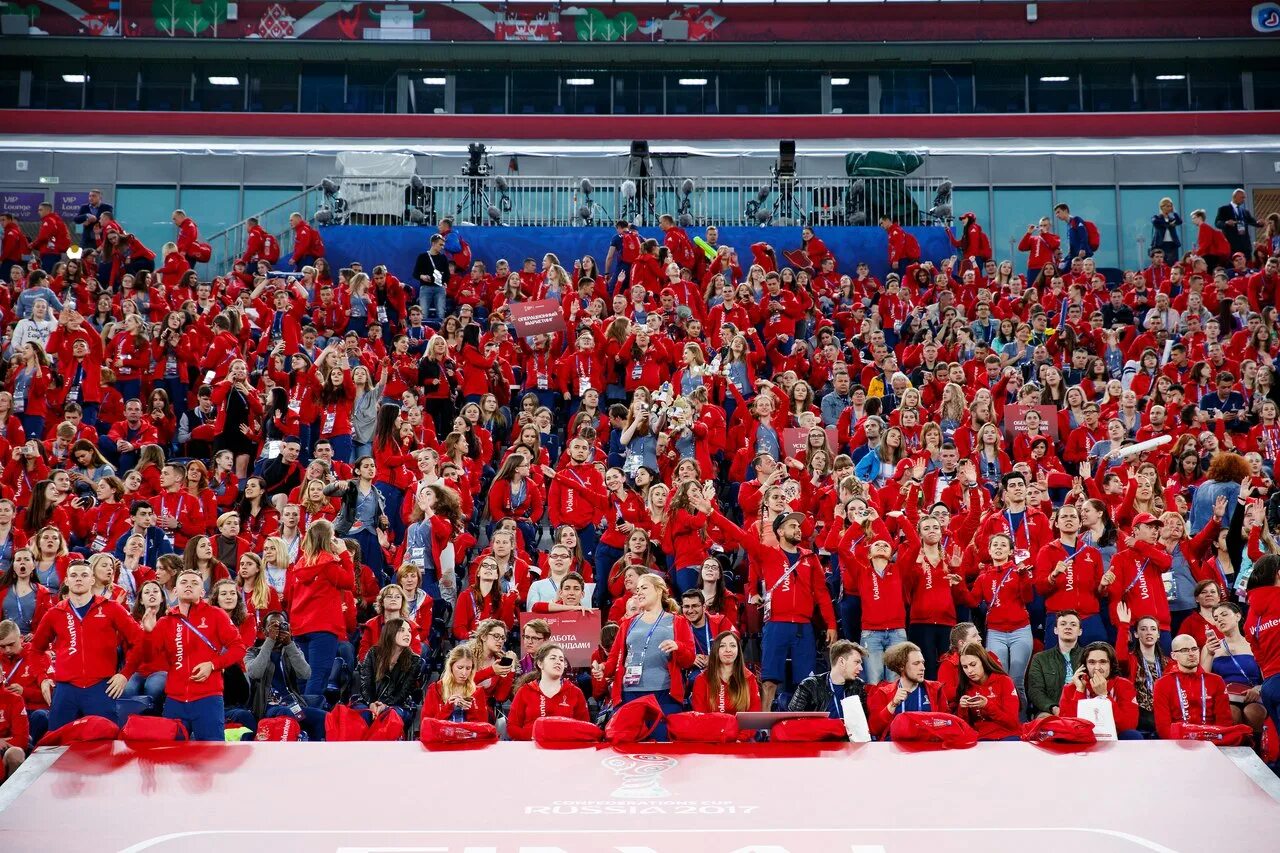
<point x="364" y="414"/>
<point x="259" y="668"/>
<point x="346" y="517"/>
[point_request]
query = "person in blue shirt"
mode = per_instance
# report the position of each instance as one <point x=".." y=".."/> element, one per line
<point x="1226" y="403"/>
<point x="143" y="517"/>
<point x="1077" y="235"/>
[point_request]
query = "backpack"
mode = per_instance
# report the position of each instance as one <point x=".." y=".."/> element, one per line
<point x="1091" y="230"/>
<point x="630" y="247"/>
<point x="270" y="248"/>
<point x="910" y="247"/>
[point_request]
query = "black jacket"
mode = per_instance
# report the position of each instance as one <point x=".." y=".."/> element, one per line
<point x="1239" y="239"/>
<point x="426" y="264"/>
<point x="814" y="694"/>
<point x="401" y="686"/>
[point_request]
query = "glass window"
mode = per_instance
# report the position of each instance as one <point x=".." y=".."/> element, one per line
<point x="585" y="93"/>
<point x="692" y="92"/>
<point x="1217" y="88"/>
<point x="1108" y="88"/>
<point x="271" y="202"/>
<point x="1097" y="205"/>
<point x="793" y="92"/>
<point x="1266" y="88"/>
<point x="637" y="92"/>
<point x="58" y="85"/>
<point x="1015" y="209"/>
<point x="1137" y="206"/>
<point x="323" y="88"/>
<point x="113" y="86"/>
<point x="1054" y="89"/>
<point x="1000" y="89"/>
<point x="849" y="92"/>
<point x="904" y="90"/>
<point x="1162" y="86"/>
<point x="219" y="87"/>
<point x="214" y="208"/>
<point x="1206" y="198"/>
<point x="148" y="213"/>
<point x="534" y="91"/>
<point x="165" y="86"/>
<point x="371" y="88"/>
<point x="10" y="85"/>
<point x="952" y="88"/>
<point x="273" y="87"/>
<point x="744" y="92"/>
<point x="481" y="91"/>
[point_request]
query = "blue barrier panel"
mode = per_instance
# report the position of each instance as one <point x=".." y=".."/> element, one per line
<point x="399" y="246"/>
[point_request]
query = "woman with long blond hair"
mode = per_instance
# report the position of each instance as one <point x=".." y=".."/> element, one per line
<point x="251" y="581"/>
<point x="456" y="696"/>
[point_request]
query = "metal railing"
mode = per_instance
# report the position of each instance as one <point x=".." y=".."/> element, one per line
<point x="502" y="200"/>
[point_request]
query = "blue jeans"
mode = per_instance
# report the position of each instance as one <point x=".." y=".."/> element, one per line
<point x="668" y="705"/>
<point x="70" y="703"/>
<point x="589" y="538"/>
<point x="876" y="643"/>
<point x="341" y="447"/>
<point x="33" y="426"/>
<point x="371" y="552"/>
<point x="1271" y="698"/>
<point x="393" y="498"/>
<point x="850" y="613"/>
<point x="151" y="686"/>
<point x="319" y="648"/>
<point x="203" y="718"/>
<point x="606" y="556"/>
<point x="688" y="577"/>
<point x="1013" y="648"/>
<point x="177" y="391"/>
<point x="431" y="298"/>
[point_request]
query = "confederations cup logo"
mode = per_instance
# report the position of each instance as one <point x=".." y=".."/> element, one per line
<point x="641" y="775"/>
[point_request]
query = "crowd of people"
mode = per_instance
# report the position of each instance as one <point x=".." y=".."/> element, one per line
<point x="769" y="479"/>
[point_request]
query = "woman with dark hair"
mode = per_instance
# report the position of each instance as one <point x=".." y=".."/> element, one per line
<point x="1098" y="677"/>
<point x="199" y="555"/>
<point x="22" y="598"/>
<point x="389" y="677"/>
<point x="362" y="515"/>
<point x="987" y="698"/>
<point x="516" y="495"/>
<point x="390" y="455"/>
<point x="258" y="518"/>
<point x="545" y="692"/>
<point x="476" y="364"/>
<point x="149" y="680"/>
<point x="483" y="600"/>
<point x="29" y="382"/>
<point x="313" y="598"/>
<point x="726" y="686"/>
<point x="1142" y="660"/>
<point x="1229" y="655"/>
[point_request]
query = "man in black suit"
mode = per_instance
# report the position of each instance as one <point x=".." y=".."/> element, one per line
<point x="1234" y="221"/>
<point x="88" y="216"/>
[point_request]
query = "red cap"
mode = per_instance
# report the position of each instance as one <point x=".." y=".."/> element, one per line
<point x="146" y="731"/>
<point x="552" y="732"/>
<point x="283" y="729"/>
<point x="968" y="215"/>
<point x="344" y="723"/>
<point x="1147" y="518"/>
<point x="904" y="466"/>
<point x="83" y="730"/>
<point x="932" y="728"/>
<point x="1054" y="729"/>
<point x="1237" y="735"/>
<point x="634" y="721"/>
<point x="666" y="291"/>
<point x="808" y="730"/>
<point x="446" y="733"/>
<point x="703" y="727"/>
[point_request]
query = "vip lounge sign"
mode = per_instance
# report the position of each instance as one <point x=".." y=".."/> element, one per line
<point x="22" y="205"/>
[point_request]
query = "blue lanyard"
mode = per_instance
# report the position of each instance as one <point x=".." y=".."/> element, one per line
<point x="644" y="652"/>
<point x="196" y="631"/>
<point x="1182" y="701"/>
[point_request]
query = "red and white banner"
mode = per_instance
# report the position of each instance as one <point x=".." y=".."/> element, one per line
<point x="577" y="633"/>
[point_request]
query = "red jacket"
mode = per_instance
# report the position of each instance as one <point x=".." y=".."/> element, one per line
<point x="1199" y="698"/>
<point x="794" y="592"/>
<point x="997" y="719"/>
<point x="87" y="650"/>
<point x="680" y="246"/>
<point x="188" y="236"/>
<point x="902" y="246"/>
<point x="531" y="704"/>
<point x="701" y="700"/>
<point x="53" y="237"/>
<point x="435" y="708"/>
<point x="262" y="245"/>
<point x="1076" y="588"/>
<point x="577" y="496"/>
<point x="313" y="593"/>
<point x="883" y="607"/>
<point x="1139" y="583"/>
<point x="306" y="242"/>
<point x="1006" y="590"/>
<point x="28" y="670"/>
<point x="15" y="244"/>
<point x="1040" y="248"/>
<point x="144" y="433"/>
<point x="1120" y="691"/>
<point x="679" y="660"/>
<point x="880" y="717"/>
<point x="36" y="402"/>
<point x="62" y="345"/>
<point x="14" y="725"/>
<point x="467" y="614"/>
<point x="205" y="635"/>
<point x="501" y="506"/>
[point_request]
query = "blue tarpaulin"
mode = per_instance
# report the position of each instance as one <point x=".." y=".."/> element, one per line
<point x="399" y="246"/>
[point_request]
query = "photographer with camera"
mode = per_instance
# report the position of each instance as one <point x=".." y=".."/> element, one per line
<point x="277" y="673"/>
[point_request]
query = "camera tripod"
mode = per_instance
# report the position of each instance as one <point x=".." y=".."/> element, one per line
<point x="475" y="197"/>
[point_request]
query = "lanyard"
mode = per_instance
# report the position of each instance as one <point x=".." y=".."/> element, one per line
<point x="995" y="593"/>
<point x="1136" y="577"/>
<point x="8" y="678"/>
<point x="196" y="631"/>
<point x="1182" y="701"/>
<point x="1025" y="526"/>
<point x="645" y="651"/>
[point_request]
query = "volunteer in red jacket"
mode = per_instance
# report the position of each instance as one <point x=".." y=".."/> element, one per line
<point x="1188" y="694"/>
<point x="15" y="245"/>
<point x="1136" y="575"/>
<point x="307" y="245"/>
<point x="794" y="582"/>
<point x="988" y="700"/>
<point x="650" y="652"/>
<point x="262" y="245"/>
<point x="545" y="693"/>
<point x="1039" y="243"/>
<point x="1069" y="575"/>
<point x="908" y="692"/>
<point x="313" y="597"/>
<point x="52" y="240"/>
<point x="197" y="641"/>
<point x="188" y="237"/>
<point x="87" y="634"/>
<point x="15" y="733"/>
<point x="576" y="496"/>
<point x="1099" y="678"/>
<point x="1263" y="629"/>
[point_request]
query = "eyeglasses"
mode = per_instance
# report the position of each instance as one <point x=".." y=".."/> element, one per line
<point x="1187" y="649"/>
<point x="533" y="638"/>
<point x="559" y="556"/>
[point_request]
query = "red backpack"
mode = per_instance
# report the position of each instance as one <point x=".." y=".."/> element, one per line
<point x="630" y="247"/>
<point x="1095" y="239"/>
<point x="270" y="248"/>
